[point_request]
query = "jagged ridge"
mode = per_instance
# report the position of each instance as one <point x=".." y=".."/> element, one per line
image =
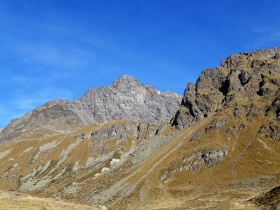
<point x="126" y="98"/>
<point x="240" y="75"/>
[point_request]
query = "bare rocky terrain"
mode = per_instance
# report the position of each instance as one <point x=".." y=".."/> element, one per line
<point x="219" y="151"/>
<point x="125" y="99"/>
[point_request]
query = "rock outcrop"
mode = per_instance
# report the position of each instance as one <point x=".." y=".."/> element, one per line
<point x="122" y="131"/>
<point x="240" y="76"/>
<point x="126" y="99"/>
<point x="195" y="162"/>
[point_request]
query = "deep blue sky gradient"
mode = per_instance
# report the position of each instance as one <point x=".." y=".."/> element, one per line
<point x="59" y="49"/>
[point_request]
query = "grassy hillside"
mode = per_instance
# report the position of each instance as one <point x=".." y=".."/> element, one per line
<point x="221" y="152"/>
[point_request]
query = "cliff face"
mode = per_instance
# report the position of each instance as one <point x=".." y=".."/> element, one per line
<point x="242" y="76"/>
<point x="125" y="99"/>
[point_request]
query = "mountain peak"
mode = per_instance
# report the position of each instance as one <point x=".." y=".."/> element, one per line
<point x="125" y="99"/>
<point x="253" y="76"/>
<point x="125" y="81"/>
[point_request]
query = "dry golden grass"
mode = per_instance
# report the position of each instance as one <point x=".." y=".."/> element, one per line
<point x="18" y="201"/>
<point x="250" y="168"/>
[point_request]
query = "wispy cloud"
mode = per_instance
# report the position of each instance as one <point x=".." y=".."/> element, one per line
<point x="265" y="36"/>
<point x="53" y="56"/>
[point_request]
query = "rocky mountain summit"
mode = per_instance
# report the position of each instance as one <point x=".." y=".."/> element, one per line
<point x="220" y="151"/>
<point x="125" y="99"/>
<point x="240" y="76"/>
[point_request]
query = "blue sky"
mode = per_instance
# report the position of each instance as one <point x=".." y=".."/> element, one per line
<point x="59" y="49"/>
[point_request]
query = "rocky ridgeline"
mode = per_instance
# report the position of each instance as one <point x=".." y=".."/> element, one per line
<point x="52" y="116"/>
<point x="246" y="76"/>
<point x="126" y="98"/>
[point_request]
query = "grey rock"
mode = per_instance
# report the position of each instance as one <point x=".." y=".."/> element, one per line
<point x="240" y="127"/>
<point x="267" y="53"/>
<point x="196" y="136"/>
<point x="129" y="129"/>
<point x="230" y="132"/>
<point x="194" y="162"/>
<point x="244" y="77"/>
<point x="203" y="98"/>
<point x="253" y="111"/>
<point x="268" y="88"/>
<point x="126" y="98"/>
<point x="82" y="136"/>
<point x="189" y="112"/>
<point x="234" y="80"/>
<point x="240" y="77"/>
<point x="270" y="131"/>
<point x="213" y="157"/>
<point x="103" y="208"/>
<point x="124" y="131"/>
<point x="217" y="123"/>
<point x="276" y="81"/>
<point x="234" y="60"/>
<point x="275" y="108"/>
<point x="237" y="112"/>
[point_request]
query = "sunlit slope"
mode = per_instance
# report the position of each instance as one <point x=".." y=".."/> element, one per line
<point x="63" y="165"/>
<point x="220" y="150"/>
